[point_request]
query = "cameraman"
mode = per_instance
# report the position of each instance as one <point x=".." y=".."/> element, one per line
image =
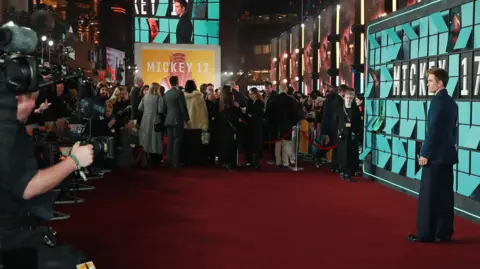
<point x="24" y="197"/>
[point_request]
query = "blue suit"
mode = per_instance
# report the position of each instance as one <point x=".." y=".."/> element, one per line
<point x="435" y="203"/>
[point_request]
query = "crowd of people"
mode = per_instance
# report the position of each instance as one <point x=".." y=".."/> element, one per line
<point x="204" y="125"/>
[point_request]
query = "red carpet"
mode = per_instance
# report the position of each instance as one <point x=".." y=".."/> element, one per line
<point x="214" y="219"/>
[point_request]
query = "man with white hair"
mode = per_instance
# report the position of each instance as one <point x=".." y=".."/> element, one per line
<point x="135" y="97"/>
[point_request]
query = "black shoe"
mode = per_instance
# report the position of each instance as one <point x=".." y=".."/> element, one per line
<point x="342" y="176"/>
<point x="415" y="239"/>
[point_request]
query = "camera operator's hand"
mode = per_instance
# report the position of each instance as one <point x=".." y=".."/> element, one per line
<point x="84" y="154"/>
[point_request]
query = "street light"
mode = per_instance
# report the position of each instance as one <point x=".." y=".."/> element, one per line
<point x="44" y="38"/>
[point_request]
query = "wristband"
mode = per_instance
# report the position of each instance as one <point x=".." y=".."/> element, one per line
<point x="75" y="160"/>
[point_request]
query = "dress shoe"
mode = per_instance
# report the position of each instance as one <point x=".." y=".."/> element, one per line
<point x="415" y="239"/>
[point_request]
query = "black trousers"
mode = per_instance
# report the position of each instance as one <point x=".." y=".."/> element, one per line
<point x="175" y="135"/>
<point x="192" y="147"/>
<point x="435" y="202"/>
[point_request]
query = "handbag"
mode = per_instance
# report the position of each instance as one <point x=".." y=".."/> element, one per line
<point x="205" y="138"/>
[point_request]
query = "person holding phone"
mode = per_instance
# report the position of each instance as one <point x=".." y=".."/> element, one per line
<point x="437" y="157"/>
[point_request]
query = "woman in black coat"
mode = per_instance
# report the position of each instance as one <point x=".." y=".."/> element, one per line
<point x="348" y="127"/>
<point x="254" y="116"/>
<point x="228" y="117"/>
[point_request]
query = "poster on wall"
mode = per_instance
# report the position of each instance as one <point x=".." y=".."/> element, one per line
<point x="347" y="42"/>
<point x="325" y="50"/>
<point x="296" y="46"/>
<point x="116" y="64"/>
<point x="177" y="21"/>
<point x="284" y="62"/>
<point x="273" y="63"/>
<point x="308" y="56"/>
<point x="158" y="63"/>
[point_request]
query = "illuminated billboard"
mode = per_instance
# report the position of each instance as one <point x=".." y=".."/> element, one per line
<point x="177" y="21"/>
<point x="157" y="63"/>
<point x="401" y="48"/>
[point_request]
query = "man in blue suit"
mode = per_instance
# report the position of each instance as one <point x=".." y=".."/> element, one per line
<point x="437" y="157"/>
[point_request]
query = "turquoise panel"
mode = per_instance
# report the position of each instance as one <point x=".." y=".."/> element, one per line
<point x="200" y="40"/>
<point x="385" y="74"/>
<point x="377" y="56"/>
<point x="398" y="163"/>
<point x="390" y="124"/>
<point x="467" y="14"/>
<point x="213" y="41"/>
<point x="418" y="176"/>
<point x="392" y="52"/>
<point x="452" y="83"/>
<point x="371" y="56"/>
<point x="411" y="168"/>
<point x="392" y="109"/>
<point x="475" y="163"/>
<point x="398" y="146"/>
<point x="468" y="136"/>
<point x="213" y="28"/>
<point x="382" y="143"/>
<point x="173" y="38"/>
<point x="160" y="38"/>
<point x="417" y="110"/>
<point x="385" y="89"/>
<point x="421" y="129"/>
<point x="163" y="25"/>
<point x="433" y="45"/>
<point x="476" y="37"/>
<point x="384" y="38"/>
<point x="393" y="37"/>
<point x="476" y="113"/>
<point x="467" y="184"/>
<point x="463" y="38"/>
<point x="410" y="33"/>
<point x="368" y="90"/>
<point x="144" y="24"/>
<point x="477" y="12"/>
<point x="412" y="149"/>
<point x="144" y="37"/>
<point x="404" y="109"/>
<point x="423" y="49"/>
<point x="414" y="49"/>
<point x="173" y="25"/>
<point x="364" y="154"/>
<point x="454" y="65"/>
<point x="137" y="35"/>
<point x="406" y="127"/>
<point x="214" y="11"/>
<point x="162" y="10"/>
<point x="437" y="24"/>
<point x="383" y="158"/>
<point x="137" y="23"/>
<point x="369" y="139"/>
<point x="200" y="28"/>
<point x="369" y="107"/>
<point x="385" y="55"/>
<point x="372" y="122"/>
<point x="463" y="161"/>
<point x="424" y="26"/>
<point x="373" y="42"/>
<point x="443" y="42"/>
<point x="464" y="110"/>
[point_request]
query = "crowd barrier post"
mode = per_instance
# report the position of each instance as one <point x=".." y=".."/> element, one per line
<point x="296" y="130"/>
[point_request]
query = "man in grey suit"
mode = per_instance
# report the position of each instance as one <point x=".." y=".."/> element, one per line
<point x="176" y="115"/>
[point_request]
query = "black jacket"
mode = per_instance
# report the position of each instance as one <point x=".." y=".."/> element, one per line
<point x="184" y="30"/>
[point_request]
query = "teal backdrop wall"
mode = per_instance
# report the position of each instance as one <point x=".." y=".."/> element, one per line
<point x="401" y="47"/>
